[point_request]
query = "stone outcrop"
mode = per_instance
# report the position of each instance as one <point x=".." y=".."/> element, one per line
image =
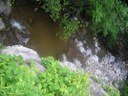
<point x="105" y="67"/>
<point x="5" y="7"/>
<point x="26" y="53"/>
<point x="2" y="26"/>
<point x="12" y="31"/>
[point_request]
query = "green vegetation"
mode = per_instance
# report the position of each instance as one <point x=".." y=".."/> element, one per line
<point x="69" y="26"/>
<point x="53" y="7"/>
<point x="124" y="89"/>
<point x="61" y="81"/>
<point x="64" y="11"/>
<point x="111" y="91"/>
<point x="109" y="17"/>
<point x="17" y="79"/>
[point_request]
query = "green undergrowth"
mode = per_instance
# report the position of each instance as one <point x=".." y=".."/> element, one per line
<point x="2" y="46"/>
<point x="20" y="79"/>
<point x="124" y="89"/>
<point x="66" y="12"/>
<point x="17" y="79"/>
<point x="110" y="90"/>
<point x="107" y="17"/>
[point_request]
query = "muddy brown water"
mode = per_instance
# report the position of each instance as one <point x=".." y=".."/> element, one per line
<point x="43" y="31"/>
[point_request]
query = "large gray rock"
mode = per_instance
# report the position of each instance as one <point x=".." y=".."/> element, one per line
<point x="2" y="26"/>
<point x="14" y="32"/>
<point x="26" y="53"/>
<point x="5" y="7"/>
<point x="96" y="89"/>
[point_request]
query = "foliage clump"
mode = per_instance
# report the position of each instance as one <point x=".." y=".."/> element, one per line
<point x="111" y="90"/>
<point x="17" y="79"/>
<point x="70" y="26"/>
<point x="109" y="17"/>
<point x="124" y="89"/>
<point x="60" y="81"/>
<point x="53" y="7"/>
<point x="65" y="11"/>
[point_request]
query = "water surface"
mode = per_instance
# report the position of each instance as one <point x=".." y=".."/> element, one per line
<point x="42" y="31"/>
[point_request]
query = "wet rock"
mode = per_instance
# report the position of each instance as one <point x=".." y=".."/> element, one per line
<point x="97" y="90"/>
<point x="64" y="62"/>
<point x="20" y="31"/>
<point x="108" y="68"/>
<point x="77" y="63"/>
<point x="5" y="7"/>
<point x="15" y="32"/>
<point x="93" y="58"/>
<point x="88" y="52"/>
<point x="2" y="26"/>
<point x="26" y="53"/>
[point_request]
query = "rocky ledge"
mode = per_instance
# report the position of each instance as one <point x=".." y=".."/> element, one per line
<point x="96" y="88"/>
<point x="26" y="53"/>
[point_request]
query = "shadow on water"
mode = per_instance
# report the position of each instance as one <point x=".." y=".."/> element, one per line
<point x="42" y="31"/>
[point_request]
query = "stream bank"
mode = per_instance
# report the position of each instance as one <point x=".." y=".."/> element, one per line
<point x="83" y="52"/>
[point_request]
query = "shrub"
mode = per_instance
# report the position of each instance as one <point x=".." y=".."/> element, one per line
<point x="111" y="90"/>
<point x="64" y="11"/>
<point x="53" y="7"/>
<point x="70" y="26"/>
<point x="109" y="17"/>
<point x="17" y="79"/>
<point x="60" y="81"/>
<point x="124" y="89"/>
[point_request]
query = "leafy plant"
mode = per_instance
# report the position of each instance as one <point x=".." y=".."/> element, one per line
<point x="60" y="81"/>
<point x="109" y="17"/>
<point x="110" y="90"/>
<point x="53" y="7"/>
<point x="124" y="89"/>
<point x="70" y="26"/>
<point x="65" y="11"/>
<point x="17" y="79"/>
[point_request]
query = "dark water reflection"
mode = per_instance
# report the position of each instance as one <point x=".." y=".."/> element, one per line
<point x="43" y="31"/>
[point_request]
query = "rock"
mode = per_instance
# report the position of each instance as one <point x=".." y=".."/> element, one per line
<point x="98" y="72"/>
<point x="14" y="31"/>
<point x="88" y="52"/>
<point x="97" y="90"/>
<point x="26" y="53"/>
<point x="79" y="44"/>
<point x="77" y="63"/>
<point x="107" y="68"/>
<point x="22" y="38"/>
<point x="70" y="65"/>
<point x="64" y="62"/>
<point x="5" y="7"/>
<point x="2" y="26"/>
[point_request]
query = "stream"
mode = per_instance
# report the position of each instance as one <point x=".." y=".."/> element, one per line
<point x="42" y="30"/>
<point x="83" y="52"/>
